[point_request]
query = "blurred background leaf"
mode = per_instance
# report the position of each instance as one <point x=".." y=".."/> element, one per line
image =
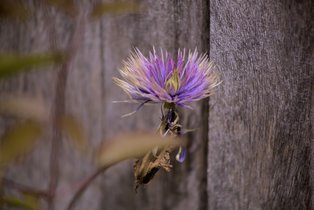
<point x="11" y="64"/>
<point x="24" y="107"/>
<point x="132" y="145"/>
<point x="31" y="200"/>
<point x="67" y="6"/>
<point x="15" y="202"/>
<point x="74" y="129"/>
<point x="116" y="7"/>
<point x="18" y="140"/>
<point x="13" y="9"/>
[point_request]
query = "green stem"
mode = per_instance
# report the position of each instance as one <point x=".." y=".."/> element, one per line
<point x="83" y="187"/>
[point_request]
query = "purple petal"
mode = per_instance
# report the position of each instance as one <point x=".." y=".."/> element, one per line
<point x="180" y="157"/>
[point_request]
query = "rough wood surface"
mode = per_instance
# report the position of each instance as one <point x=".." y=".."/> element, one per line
<point x="169" y="25"/>
<point x="89" y="93"/>
<point x="260" y="127"/>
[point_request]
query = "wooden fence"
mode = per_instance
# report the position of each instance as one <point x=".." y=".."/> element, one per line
<point x="254" y="145"/>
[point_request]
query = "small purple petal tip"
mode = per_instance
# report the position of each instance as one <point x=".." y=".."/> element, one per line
<point x="180" y="157"/>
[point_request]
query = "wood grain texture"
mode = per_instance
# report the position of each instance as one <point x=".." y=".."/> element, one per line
<point x="169" y="25"/>
<point x="89" y="92"/>
<point x="252" y="149"/>
<point x="260" y="129"/>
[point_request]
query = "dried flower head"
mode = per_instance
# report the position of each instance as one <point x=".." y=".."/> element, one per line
<point x="159" y="78"/>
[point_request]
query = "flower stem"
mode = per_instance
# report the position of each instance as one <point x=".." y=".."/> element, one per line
<point x="83" y="187"/>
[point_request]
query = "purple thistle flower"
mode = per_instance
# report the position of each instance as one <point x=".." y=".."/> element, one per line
<point x="163" y="79"/>
<point x="159" y="78"/>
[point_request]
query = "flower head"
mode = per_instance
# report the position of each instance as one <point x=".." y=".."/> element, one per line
<point x="161" y="78"/>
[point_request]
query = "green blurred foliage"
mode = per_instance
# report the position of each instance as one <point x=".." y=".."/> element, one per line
<point x="11" y="64"/>
<point x="133" y="145"/>
<point x="31" y="200"/>
<point x="75" y="131"/>
<point x="13" y="9"/>
<point x="116" y="7"/>
<point x="67" y="6"/>
<point x="25" y="107"/>
<point x="18" y="140"/>
<point x="24" y="204"/>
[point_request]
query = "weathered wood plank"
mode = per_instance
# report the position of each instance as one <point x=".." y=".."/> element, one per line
<point x="49" y="29"/>
<point x="89" y="93"/>
<point x="260" y="126"/>
<point x="169" y="25"/>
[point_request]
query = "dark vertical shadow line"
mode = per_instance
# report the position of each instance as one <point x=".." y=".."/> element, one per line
<point x="311" y="114"/>
<point x="205" y="111"/>
<point x="175" y="27"/>
<point x="104" y="101"/>
<point x="102" y="72"/>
